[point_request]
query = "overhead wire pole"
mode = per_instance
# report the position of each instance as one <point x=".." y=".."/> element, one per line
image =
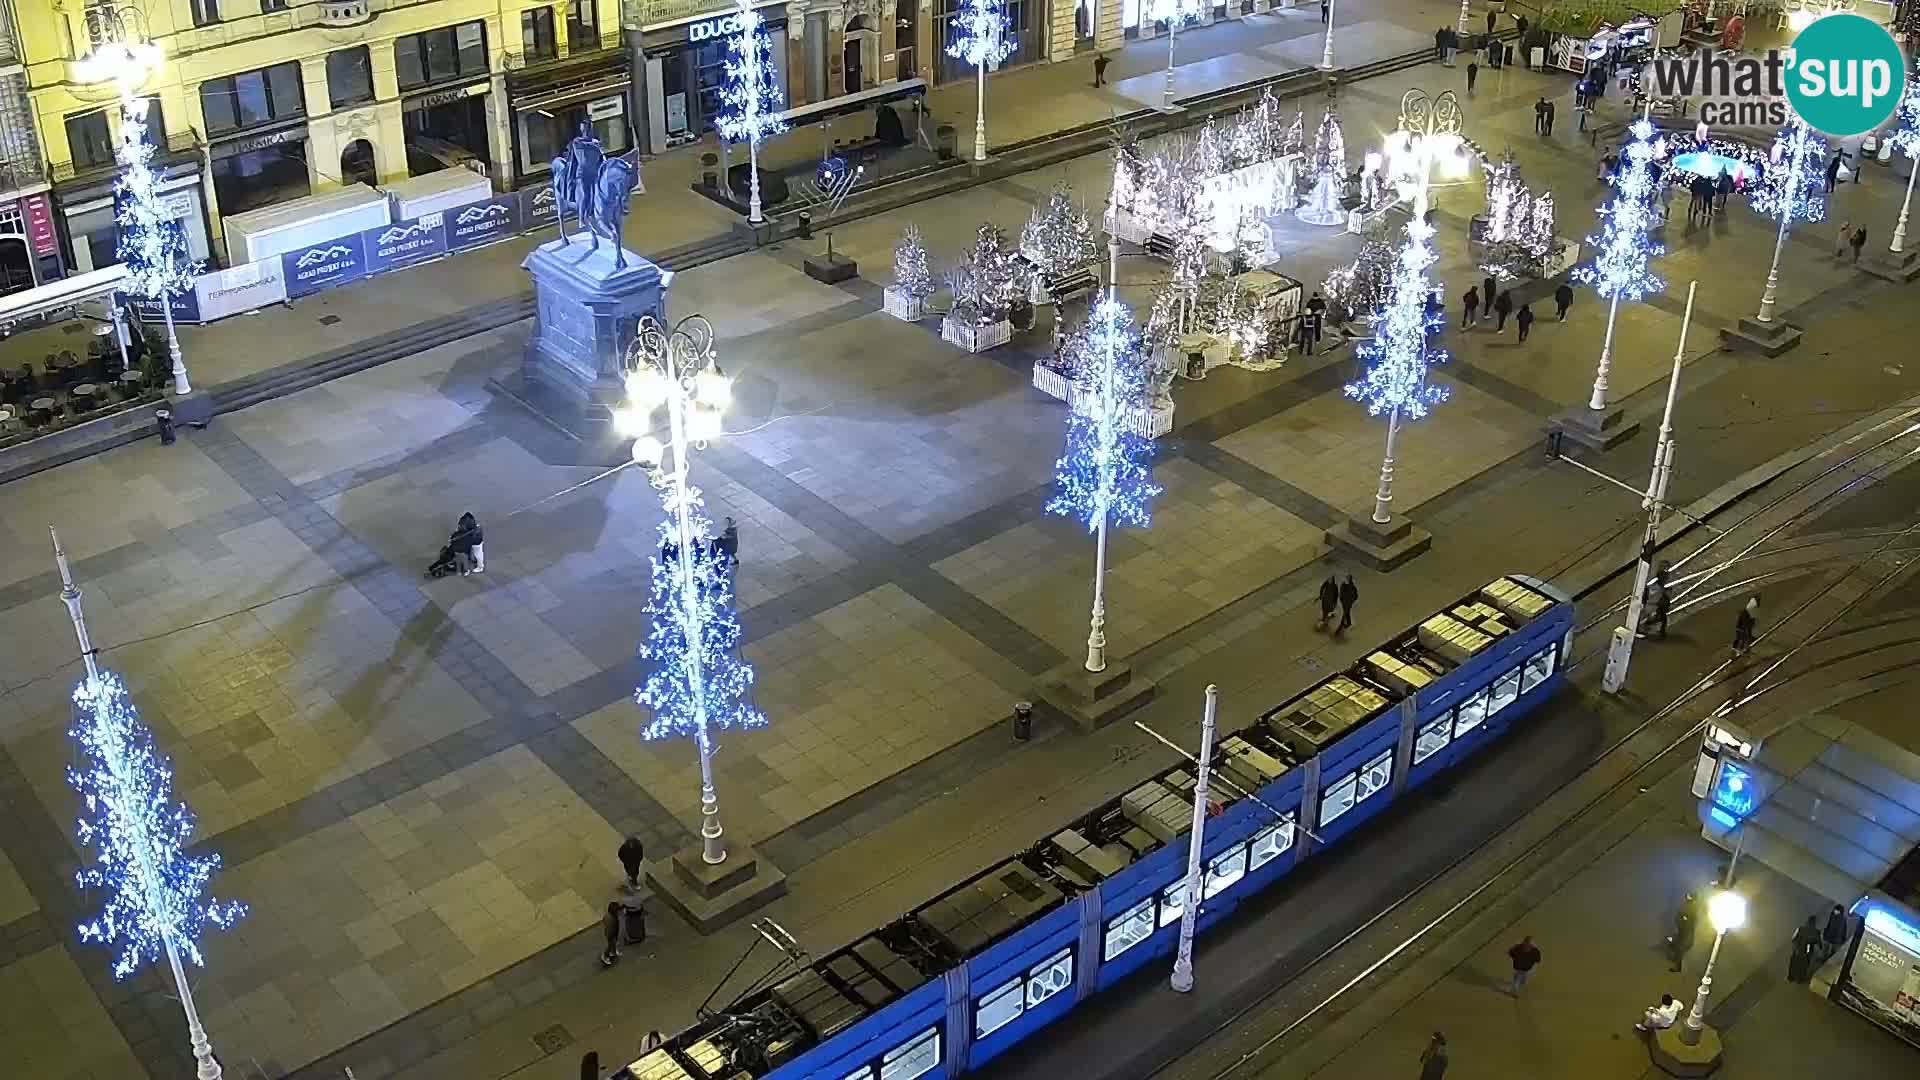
<point x="1196" y="839"/>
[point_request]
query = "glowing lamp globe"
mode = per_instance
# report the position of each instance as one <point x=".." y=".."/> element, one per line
<point x="646" y="389"/>
<point x="1728" y="910"/>
<point x="713" y="388"/>
<point x="647" y="450"/>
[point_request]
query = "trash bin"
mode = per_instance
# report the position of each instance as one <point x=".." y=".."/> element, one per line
<point x="163" y="419"/>
<point x="946" y="142"/>
<point x="1023" y="720"/>
<point x="709" y="176"/>
<point x="803" y="225"/>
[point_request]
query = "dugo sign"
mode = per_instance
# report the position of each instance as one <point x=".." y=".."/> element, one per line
<point x="1843" y="76"/>
<point x="709" y="29"/>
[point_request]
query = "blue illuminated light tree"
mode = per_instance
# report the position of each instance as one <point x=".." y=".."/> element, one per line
<point x="1398" y="356"/>
<point x="1624" y="245"/>
<point x="1906" y="140"/>
<point x="1794" y="190"/>
<point x="156" y="895"/>
<point x="150" y="243"/>
<point x="751" y="100"/>
<point x="980" y="38"/>
<point x="1105" y="474"/>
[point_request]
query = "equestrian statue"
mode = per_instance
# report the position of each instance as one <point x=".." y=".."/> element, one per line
<point x="597" y="190"/>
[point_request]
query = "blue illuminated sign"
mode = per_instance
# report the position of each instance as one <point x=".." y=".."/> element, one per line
<point x="1733" y="791"/>
<point x="1891" y="926"/>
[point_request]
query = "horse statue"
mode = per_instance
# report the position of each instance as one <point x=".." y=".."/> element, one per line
<point x="611" y="199"/>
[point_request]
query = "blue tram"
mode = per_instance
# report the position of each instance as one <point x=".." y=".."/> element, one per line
<point x="962" y="978"/>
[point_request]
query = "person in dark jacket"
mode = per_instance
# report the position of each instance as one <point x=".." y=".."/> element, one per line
<point x="632" y="854"/>
<point x="1473" y="75"/>
<point x="1551" y="108"/>
<point x="1525" y="957"/>
<point x="1100" y="62"/>
<point x="1491" y="17"/>
<point x="1502" y="307"/>
<point x="1489" y="288"/>
<point x="1858" y="241"/>
<point x="1744" y="623"/>
<point x="590" y="1065"/>
<point x="1470" y="308"/>
<point x="1524" y="317"/>
<point x="1349" y="595"/>
<point x="1684" y="922"/>
<point x="1806" y="949"/>
<point x="1562" y="299"/>
<point x="610" y="929"/>
<point x="467" y="541"/>
<point x="1329" y="599"/>
<point x="1433" y="1060"/>
<point x="726" y="546"/>
<point x="1440" y="44"/>
<point x="1839" y="929"/>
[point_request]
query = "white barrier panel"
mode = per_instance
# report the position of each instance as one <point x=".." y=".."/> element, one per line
<point x="241" y="288"/>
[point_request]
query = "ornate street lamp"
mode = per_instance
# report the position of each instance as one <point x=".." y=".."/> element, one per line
<point x="1727" y="910"/>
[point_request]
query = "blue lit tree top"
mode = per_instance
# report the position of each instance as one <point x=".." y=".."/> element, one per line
<point x="698" y="681"/>
<point x="150" y="244"/>
<point x="156" y="894"/>
<point x="1794" y="188"/>
<point x="1106" y="470"/>
<point x="980" y="33"/>
<point x="1906" y="134"/>
<point x="1623" y="243"/>
<point x="1399" y="354"/>
<point x="751" y="100"/>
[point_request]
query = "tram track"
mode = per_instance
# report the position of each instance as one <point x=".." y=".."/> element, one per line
<point x="1633" y="758"/>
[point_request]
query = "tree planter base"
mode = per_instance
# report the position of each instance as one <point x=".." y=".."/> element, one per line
<point x="1382" y="547"/>
<point x="830" y="269"/>
<point x="1767" y="339"/>
<point x="1051" y="383"/>
<point x="1601" y="430"/>
<point x="1671" y="1054"/>
<point x="902" y="306"/>
<point x="1886" y="265"/>
<point x="1091" y="700"/>
<point x="710" y="897"/>
<point x="975" y="337"/>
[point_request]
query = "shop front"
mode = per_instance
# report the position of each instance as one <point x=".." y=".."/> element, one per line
<point x="1026" y="25"/>
<point x="87" y="208"/>
<point x="686" y="69"/>
<point x="446" y="128"/>
<point x="256" y="168"/>
<point x="549" y="106"/>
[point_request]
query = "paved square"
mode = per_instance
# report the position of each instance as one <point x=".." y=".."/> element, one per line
<point x="52" y="1026"/>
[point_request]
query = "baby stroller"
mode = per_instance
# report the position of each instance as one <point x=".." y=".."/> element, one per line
<point x="460" y="551"/>
<point x="446" y="563"/>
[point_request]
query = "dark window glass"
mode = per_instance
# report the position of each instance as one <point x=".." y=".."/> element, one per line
<point x="289" y="97"/>
<point x="274" y="5"/>
<point x="583" y="26"/>
<point x="205" y="12"/>
<point x="216" y="103"/>
<point x="349" y="76"/>
<point x="536" y="33"/>
<point x="471" y="40"/>
<point x="156" y="125"/>
<point x="442" y="63"/>
<point x="439" y="55"/>
<point x="250" y="97"/>
<point x="409" y="65"/>
<point x="88" y="138"/>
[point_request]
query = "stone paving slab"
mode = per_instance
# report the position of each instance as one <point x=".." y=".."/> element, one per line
<point x="15" y="901"/>
<point x="52" y="1026"/>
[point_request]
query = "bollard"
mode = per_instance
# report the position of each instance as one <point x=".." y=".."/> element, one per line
<point x="1022" y="720"/>
<point x="163" y="419"/>
<point x="803" y="225"/>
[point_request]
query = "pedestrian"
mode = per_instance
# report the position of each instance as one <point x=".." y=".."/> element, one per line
<point x="1470" y="307"/>
<point x="1502" y="307"/>
<point x="632" y="854"/>
<point x="1839" y="929"/>
<point x="1841" y="238"/>
<point x="727" y="546"/>
<point x="1489" y="288"/>
<point x="1540" y="116"/>
<point x="1685" y="921"/>
<point x="1491" y="17"/>
<point x="1349" y="595"/>
<point x="1806" y="946"/>
<point x="1662" y="598"/>
<point x="1524" y="317"/>
<point x="1329" y="599"/>
<point x="1100" y="63"/>
<point x="1326" y="8"/>
<point x="1833" y="173"/>
<point x="1433" y="1060"/>
<point x="1743" y="625"/>
<point x="1317" y="312"/>
<point x="1661" y="1016"/>
<point x="1859" y="240"/>
<point x="1525" y="957"/>
<point x="590" y="1065"/>
<point x="1473" y="72"/>
<point x="1550" y="111"/>
<point x="1609" y="164"/>
<point x="652" y="1041"/>
<point x="1303" y="335"/>
<point x="1440" y="44"/>
<point x="1562" y="299"/>
<point x="610" y="929"/>
<point x="1520" y="21"/>
<point x="1722" y="189"/>
<point x="467" y="542"/>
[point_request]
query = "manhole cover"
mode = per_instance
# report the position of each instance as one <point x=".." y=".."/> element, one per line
<point x="1310" y="662"/>
<point x="329" y="320"/>
<point x="552" y="1040"/>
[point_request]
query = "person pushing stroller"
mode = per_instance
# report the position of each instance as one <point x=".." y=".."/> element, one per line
<point x="464" y="551"/>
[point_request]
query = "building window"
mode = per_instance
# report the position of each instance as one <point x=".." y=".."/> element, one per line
<point x="268" y="6"/>
<point x="452" y="52"/>
<point x="536" y="34"/>
<point x="904" y="37"/>
<point x="205" y="12"/>
<point x="349" y="76"/>
<point x="252" y="98"/>
<point x="88" y="139"/>
<point x="583" y="26"/>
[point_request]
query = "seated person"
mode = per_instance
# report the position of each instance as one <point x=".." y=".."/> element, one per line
<point x="1660" y="1016"/>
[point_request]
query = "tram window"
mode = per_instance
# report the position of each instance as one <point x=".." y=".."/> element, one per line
<point x="1133" y="926"/>
<point x="1506" y="690"/>
<point x="1375" y="774"/>
<point x="916" y="1058"/>
<point x="1225" y="869"/>
<point x="1339" y="798"/>
<point x="1539" y="666"/>
<point x="1471" y="714"/>
<point x="1053" y="975"/>
<point x="1173" y="902"/>
<point x="997" y="1009"/>
<point x="865" y="1073"/>
<point x="1433" y="738"/>
<point x="1269" y="842"/>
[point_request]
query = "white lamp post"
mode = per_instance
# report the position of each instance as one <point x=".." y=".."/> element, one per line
<point x="1464" y="15"/>
<point x="1326" y="50"/>
<point x="1728" y="911"/>
<point x="1196" y="839"/>
<point x="677" y="368"/>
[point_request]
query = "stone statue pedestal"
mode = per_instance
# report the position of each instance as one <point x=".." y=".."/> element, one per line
<point x="585" y="315"/>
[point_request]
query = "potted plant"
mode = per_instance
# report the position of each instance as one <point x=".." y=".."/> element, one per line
<point x="906" y="298"/>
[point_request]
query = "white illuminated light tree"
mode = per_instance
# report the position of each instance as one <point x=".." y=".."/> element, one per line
<point x="1906" y="140"/>
<point x="1175" y="13"/>
<point x="1105" y="473"/>
<point x="698" y="682"/>
<point x="980" y="38"/>
<point x="1619" y="271"/>
<point x="1794" y="190"/>
<point x="156" y="894"/>
<point x="751" y="100"/>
